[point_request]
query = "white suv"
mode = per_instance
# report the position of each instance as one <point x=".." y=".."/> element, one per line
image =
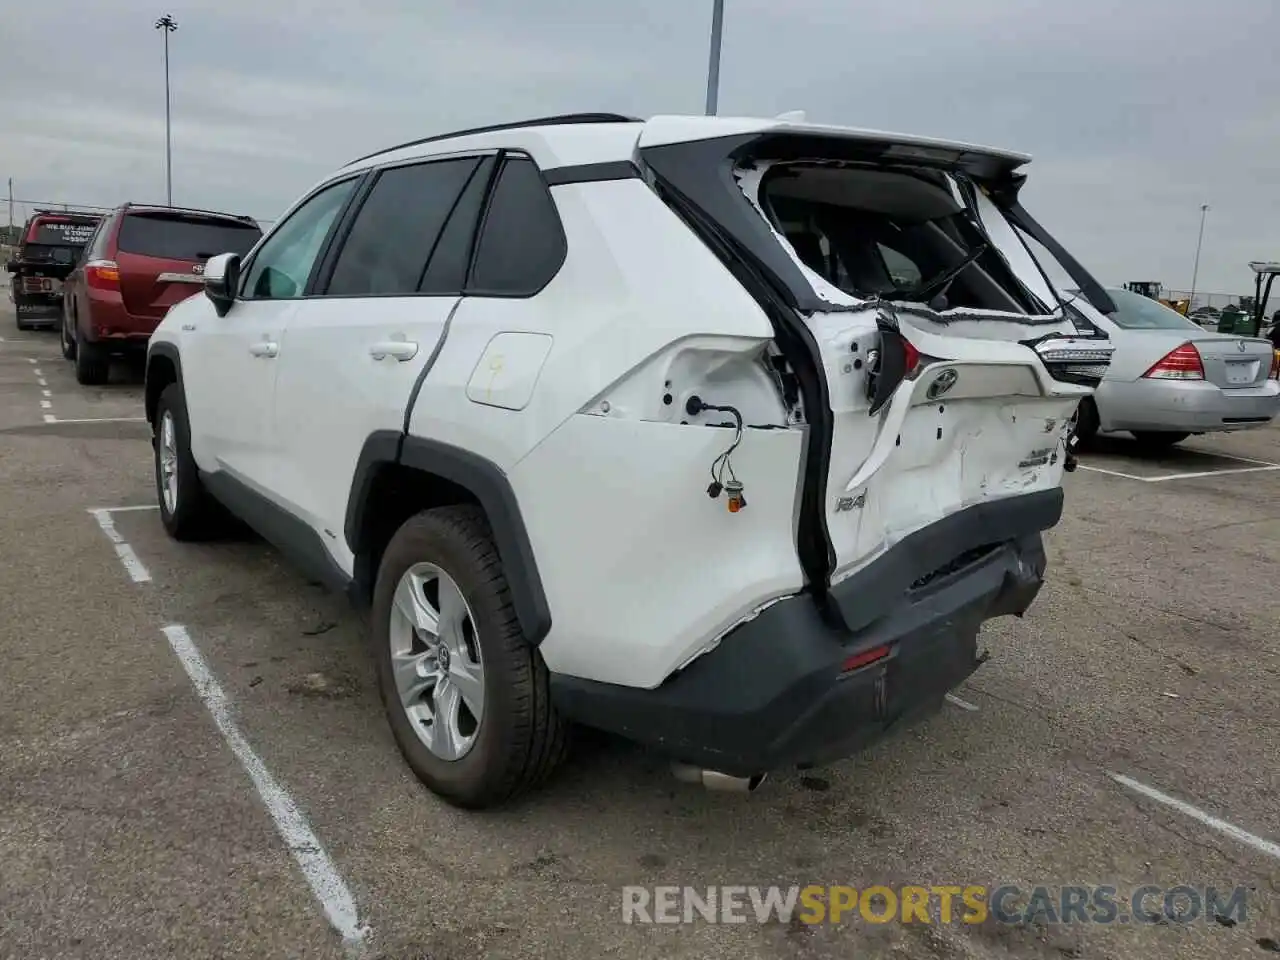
<point x="725" y="435"/>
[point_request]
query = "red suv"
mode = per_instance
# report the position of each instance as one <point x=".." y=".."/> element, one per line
<point x="140" y="262"/>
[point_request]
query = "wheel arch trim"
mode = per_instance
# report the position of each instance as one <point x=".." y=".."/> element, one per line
<point x="170" y="352"/>
<point x="488" y="484"/>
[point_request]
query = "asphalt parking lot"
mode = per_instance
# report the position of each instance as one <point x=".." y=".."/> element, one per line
<point x="227" y="787"/>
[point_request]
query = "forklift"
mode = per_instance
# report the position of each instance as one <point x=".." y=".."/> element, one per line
<point x="1261" y="293"/>
<point x="1152" y="290"/>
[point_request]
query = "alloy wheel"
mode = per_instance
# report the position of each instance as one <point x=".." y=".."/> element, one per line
<point x="436" y="661"/>
<point x="168" y="462"/>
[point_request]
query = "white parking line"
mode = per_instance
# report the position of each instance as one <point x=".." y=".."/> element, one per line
<point x="129" y="509"/>
<point x="322" y="876"/>
<point x="50" y="419"/>
<point x="1190" y="476"/>
<point x="45" y="393"/>
<point x="1212" y="473"/>
<point x="128" y="559"/>
<point x="46" y="405"/>
<point x="962" y="704"/>
<point x="1229" y="829"/>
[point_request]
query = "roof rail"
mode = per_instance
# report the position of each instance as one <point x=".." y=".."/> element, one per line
<point x="213" y="213"/>
<point x="565" y="118"/>
<point x="68" y="212"/>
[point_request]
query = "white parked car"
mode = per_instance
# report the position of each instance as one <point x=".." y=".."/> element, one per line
<point x="725" y="435"/>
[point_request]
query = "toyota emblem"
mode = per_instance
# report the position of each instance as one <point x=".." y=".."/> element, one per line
<point x="943" y="383"/>
<point x="1241" y="346"/>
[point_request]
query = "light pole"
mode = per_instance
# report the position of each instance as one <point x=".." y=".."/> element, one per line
<point x="1195" y="271"/>
<point x="713" y="65"/>
<point x="168" y="25"/>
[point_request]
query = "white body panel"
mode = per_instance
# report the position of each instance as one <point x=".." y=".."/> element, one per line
<point x="229" y="374"/>
<point x="337" y="384"/>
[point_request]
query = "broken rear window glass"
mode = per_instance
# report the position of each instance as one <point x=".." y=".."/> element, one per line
<point x="897" y="234"/>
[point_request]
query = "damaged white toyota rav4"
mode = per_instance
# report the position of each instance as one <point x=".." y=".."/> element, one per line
<point x="725" y="435"/>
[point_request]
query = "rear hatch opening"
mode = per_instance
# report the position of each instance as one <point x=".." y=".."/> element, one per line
<point x="948" y="369"/>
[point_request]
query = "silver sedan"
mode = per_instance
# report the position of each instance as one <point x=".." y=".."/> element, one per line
<point x="1170" y="378"/>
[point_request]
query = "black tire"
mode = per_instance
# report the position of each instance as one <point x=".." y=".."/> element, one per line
<point x="1086" y="424"/>
<point x="93" y="365"/>
<point x="1154" y="441"/>
<point x="521" y="739"/>
<point x="196" y="515"/>
<point x="67" y="343"/>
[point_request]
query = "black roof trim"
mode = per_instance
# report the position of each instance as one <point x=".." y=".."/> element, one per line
<point x="163" y="208"/>
<point x="565" y="118"/>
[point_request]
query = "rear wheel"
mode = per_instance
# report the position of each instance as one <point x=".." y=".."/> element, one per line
<point x="93" y="365"/>
<point x="1085" y="425"/>
<point x="1158" y="440"/>
<point x="467" y="697"/>
<point x="186" y="509"/>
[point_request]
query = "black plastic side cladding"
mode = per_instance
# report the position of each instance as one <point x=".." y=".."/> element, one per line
<point x="151" y="395"/>
<point x="488" y="484"/>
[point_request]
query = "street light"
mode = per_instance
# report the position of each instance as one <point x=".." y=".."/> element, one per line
<point x="168" y="25"/>
<point x="713" y="65"/>
<point x="1195" y="271"/>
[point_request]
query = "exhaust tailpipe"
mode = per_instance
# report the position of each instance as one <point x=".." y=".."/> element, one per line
<point x="715" y="780"/>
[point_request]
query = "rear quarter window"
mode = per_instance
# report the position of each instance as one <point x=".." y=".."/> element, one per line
<point x="522" y="243"/>
<point x="168" y="237"/>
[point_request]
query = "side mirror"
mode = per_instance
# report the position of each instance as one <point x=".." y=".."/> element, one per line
<point x="11" y="266"/>
<point x="221" y="280"/>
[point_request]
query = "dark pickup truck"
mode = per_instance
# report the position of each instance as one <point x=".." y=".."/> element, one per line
<point x="52" y="242"/>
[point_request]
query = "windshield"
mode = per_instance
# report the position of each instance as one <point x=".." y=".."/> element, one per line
<point x="184" y="238"/>
<point x="1136" y="312"/>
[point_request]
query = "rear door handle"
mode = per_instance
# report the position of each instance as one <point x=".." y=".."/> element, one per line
<point x="265" y="348"/>
<point x="400" y="349"/>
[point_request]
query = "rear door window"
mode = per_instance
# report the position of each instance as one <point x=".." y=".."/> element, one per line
<point x="169" y="237"/>
<point x="522" y="242"/>
<point x="397" y="228"/>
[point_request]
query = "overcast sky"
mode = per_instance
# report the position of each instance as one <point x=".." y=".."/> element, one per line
<point x="1136" y="113"/>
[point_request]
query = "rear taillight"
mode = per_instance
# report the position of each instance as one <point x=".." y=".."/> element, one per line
<point x="911" y="356"/>
<point x="1275" y="365"/>
<point x="1182" y="363"/>
<point x="102" y="275"/>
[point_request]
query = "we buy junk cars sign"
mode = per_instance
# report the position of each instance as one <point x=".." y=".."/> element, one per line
<point x="61" y="232"/>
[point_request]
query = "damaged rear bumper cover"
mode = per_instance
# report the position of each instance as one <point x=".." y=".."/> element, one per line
<point x="775" y="694"/>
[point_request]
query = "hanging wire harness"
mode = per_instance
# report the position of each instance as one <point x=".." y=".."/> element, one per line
<point x="723" y="479"/>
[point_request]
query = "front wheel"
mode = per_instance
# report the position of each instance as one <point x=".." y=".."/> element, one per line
<point x="186" y="509"/>
<point x="1155" y="441"/>
<point x="467" y="697"/>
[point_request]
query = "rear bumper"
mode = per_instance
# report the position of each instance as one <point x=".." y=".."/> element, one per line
<point x="37" y="308"/>
<point x="1191" y="407"/>
<point x="773" y="693"/>
<point x="108" y="322"/>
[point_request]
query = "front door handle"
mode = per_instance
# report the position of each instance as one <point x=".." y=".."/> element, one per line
<point x="400" y="349"/>
<point x="265" y="348"/>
